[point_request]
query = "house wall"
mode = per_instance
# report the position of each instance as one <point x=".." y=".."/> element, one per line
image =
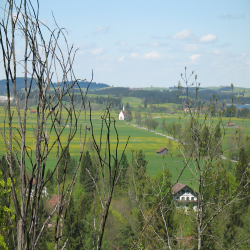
<point x="121" y="116"/>
<point x="186" y="196"/>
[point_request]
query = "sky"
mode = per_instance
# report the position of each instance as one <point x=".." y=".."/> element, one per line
<point x="143" y="43"/>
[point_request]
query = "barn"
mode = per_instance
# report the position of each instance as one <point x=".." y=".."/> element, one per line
<point x="162" y="151"/>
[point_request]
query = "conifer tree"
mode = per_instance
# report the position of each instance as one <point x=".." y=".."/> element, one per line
<point x="124" y="165"/>
<point x="50" y="182"/>
<point x="242" y="177"/>
<point x="66" y="164"/>
<point x="85" y="178"/>
<point x="217" y="141"/>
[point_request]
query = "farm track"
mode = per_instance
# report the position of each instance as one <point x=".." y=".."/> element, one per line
<point x="169" y="137"/>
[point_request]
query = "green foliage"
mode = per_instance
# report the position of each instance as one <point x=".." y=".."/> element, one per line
<point x="163" y="125"/>
<point x="66" y="164"/>
<point x="242" y="177"/>
<point x="85" y="178"/>
<point x="122" y="182"/>
<point x="50" y="183"/>
<point x="153" y="124"/>
<point x="74" y="227"/>
<point x="6" y="169"/>
<point x="138" y="118"/>
<point x="129" y="117"/>
<point x="5" y="212"/>
<point x="125" y="237"/>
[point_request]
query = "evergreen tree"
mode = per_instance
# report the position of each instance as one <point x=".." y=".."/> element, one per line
<point x="50" y="184"/>
<point x="74" y="227"/>
<point x="5" y="167"/>
<point x="66" y="164"/>
<point x="124" y="166"/>
<point x="140" y="159"/>
<point x="85" y="178"/>
<point x="242" y="176"/>
<point x="125" y="237"/>
<point x="204" y="144"/>
<point x="239" y="209"/>
<point x="217" y="141"/>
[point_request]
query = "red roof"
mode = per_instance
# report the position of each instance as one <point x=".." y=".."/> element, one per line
<point x="177" y="187"/>
<point x="54" y="200"/>
<point x="160" y="150"/>
<point x="124" y="112"/>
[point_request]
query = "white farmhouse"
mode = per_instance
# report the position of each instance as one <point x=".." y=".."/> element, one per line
<point x="123" y="114"/>
<point x="184" y="195"/>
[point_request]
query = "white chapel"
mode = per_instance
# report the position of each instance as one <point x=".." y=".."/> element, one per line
<point x="123" y="114"/>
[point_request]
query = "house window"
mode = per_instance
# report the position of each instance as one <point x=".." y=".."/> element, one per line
<point x="192" y="198"/>
<point x="183" y="191"/>
<point x="183" y="198"/>
<point x="187" y="198"/>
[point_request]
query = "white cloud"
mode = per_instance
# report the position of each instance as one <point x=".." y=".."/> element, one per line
<point x="121" y="43"/>
<point x="103" y="29"/>
<point x="20" y="16"/>
<point x="231" y="17"/>
<point x="121" y="59"/>
<point x="190" y="47"/>
<point x="93" y="52"/>
<point x="152" y="55"/>
<point x="217" y="52"/>
<point x="184" y="35"/>
<point x="43" y="21"/>
<point x="81" y="52"/>
<point x="194" y="58"/>
<point x="154" y="44"/>
<point x="208" y="39"/>
<point x="134" y="55"/>
<point x="97" y="52"/>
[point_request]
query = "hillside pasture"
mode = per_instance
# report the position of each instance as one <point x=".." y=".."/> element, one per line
<point x="143" y="139"/>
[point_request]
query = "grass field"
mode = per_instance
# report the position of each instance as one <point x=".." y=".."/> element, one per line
<point x="139" y="139"/>
<point x="133" y="101"/>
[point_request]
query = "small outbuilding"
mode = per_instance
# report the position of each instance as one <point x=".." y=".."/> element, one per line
<point x="162" y="151"/>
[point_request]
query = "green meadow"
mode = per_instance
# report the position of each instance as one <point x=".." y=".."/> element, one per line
<point x="148" y="141"/>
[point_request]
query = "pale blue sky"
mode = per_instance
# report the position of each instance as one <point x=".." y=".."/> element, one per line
<point x="144" y="43"/>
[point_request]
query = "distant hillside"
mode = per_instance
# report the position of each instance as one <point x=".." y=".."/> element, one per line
<point x="20" y="85"/>
<point x="93" y="85"/>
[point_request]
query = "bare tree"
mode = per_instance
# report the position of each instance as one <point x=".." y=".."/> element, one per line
<point x="203" y="156"/>
<point x="43" y="60"/>
<point x="109" y="169"/>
